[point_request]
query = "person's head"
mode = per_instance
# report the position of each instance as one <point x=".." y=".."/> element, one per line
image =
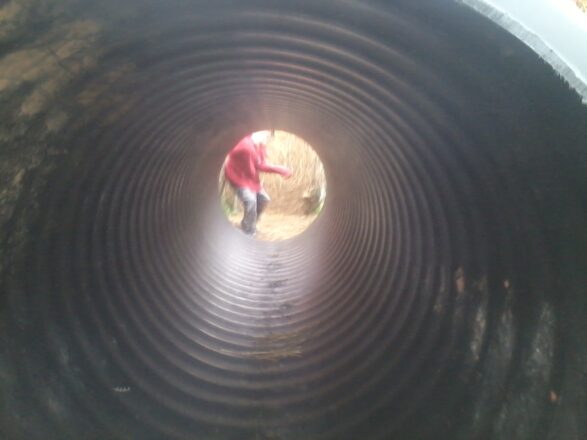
<point x="261" y="137"/>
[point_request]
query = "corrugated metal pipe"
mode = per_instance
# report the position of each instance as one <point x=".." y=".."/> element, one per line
<point x="440" y="295"/>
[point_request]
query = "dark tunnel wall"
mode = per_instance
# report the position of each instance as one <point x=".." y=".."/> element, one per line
<point x="441" y="295"/>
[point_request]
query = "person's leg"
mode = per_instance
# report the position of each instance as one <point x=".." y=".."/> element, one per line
<point x="249" y="199"/>
<point x="262" y="200"/>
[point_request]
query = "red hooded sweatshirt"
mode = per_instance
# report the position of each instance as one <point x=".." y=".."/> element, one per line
<point x="244" y="163"/>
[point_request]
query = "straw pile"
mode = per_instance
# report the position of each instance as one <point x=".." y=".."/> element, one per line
<point x="300" y="193"/>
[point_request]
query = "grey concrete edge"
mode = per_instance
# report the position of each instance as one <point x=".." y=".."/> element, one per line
<point x="533" y="41"/>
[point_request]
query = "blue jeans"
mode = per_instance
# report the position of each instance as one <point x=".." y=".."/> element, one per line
<point x="253" y="203"/>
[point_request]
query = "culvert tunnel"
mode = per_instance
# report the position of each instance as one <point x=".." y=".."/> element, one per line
<point x="440" y="295"/>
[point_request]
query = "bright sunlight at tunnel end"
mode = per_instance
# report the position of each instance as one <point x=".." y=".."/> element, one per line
<point x="272" y="185"/>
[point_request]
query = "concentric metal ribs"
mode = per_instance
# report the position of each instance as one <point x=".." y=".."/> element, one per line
<point x="424" y="303"/>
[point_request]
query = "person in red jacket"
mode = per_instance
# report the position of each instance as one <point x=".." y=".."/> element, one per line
<point x="242" y="169"/>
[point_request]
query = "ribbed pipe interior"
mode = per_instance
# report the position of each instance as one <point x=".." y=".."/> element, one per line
<point x="440" y="295"/>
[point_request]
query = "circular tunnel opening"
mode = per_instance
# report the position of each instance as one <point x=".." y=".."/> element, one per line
<point x="272" y="185"/>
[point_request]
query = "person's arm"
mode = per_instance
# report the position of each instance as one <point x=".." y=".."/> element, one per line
<point x="267" y="168"/>
<point x="276" y="169"/>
